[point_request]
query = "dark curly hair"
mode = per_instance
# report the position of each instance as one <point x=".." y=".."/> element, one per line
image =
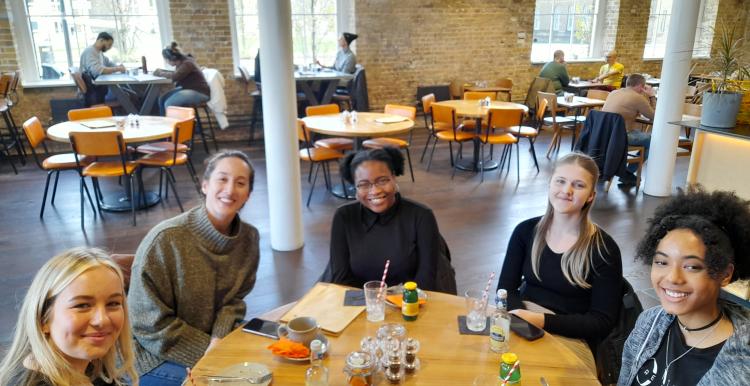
<point x="391" y="156"/>
<point x="720" y="219"/>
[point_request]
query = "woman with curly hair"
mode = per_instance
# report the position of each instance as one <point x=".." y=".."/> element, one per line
<point x="382" y="226"/>
<point x="697" y="243"/>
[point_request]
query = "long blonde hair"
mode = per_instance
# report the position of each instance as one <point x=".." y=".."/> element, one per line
<point x="576" y="262"/>
<point x="32" y="347"/>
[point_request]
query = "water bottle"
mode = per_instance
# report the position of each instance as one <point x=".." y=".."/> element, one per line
<point x="317" y="374"/>
<point x="500" y="324"/>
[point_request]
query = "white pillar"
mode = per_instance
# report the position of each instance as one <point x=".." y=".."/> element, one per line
<point x="279" y="124"/>
<point x="674" y="75"/>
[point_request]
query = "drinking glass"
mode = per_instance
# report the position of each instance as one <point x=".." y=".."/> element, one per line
<point x="374" y="301"/>
<point x="476" y="310"/>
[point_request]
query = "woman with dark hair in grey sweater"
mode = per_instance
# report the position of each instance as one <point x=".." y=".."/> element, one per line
<point x="191" y="274"/>
<point x="696" y="243"/>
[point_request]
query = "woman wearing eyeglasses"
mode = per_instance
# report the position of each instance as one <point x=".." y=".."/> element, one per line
<point x="382" y="226"/>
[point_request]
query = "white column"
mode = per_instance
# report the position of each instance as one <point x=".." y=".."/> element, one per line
<point x="674" y="75"/>
<point x="279" y="124"/>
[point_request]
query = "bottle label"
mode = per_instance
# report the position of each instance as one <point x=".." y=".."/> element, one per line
<point x="497" y="334"/>
<point x="410" y="309"/>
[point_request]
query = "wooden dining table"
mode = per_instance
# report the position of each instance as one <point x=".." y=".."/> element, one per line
<point x="150" y="128"/>
<point x="578" y="103"/>
<point x="471" y="109"/>
<point x="367" y="126"/>
<point x="447" y="357"/>
<point x="150" y="83"/>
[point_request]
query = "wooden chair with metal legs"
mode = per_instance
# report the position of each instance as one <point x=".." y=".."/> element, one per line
<point x="165" y="160"/>
<point x="506" y="83"/>
<point x="317" y="156"/>
<point x="445" y="116"/>
<point x="558" y="123"/>
<point x="500" y="122"/>
<point x="52" y="164"/>
<point x="107" y="144"/>
<point x="597" y="94"/>
<point x="471" y="124"/>
<point x="14" y="139"/>
<point x="333" y="143"/>
<point x="90" y="113"/>
<point x="531" y="133"/>
<point x="201" y="129"/>
<point x="409" y="112"/>
<point x="432" y="127"/>
<point x="685" y="142"/>
<point x="635" y="155"/>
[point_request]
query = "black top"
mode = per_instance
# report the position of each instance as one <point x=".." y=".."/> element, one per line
<point x="580" y="313"/>
<point x="35" y="378"/>
<point x="687" y="370"/>
<point x="362" y="240"/>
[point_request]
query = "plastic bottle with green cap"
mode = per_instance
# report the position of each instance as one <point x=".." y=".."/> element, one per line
<point x="508" y="360"/>
<point x="410" y="303"/>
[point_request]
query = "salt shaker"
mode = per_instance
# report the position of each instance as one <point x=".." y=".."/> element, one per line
<point x="394" y="370"/>
<point x="354" y="116"/>
<point x="412" y="362"/>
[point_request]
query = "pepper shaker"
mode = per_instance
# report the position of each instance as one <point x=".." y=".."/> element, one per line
<point x="412" y="362"/>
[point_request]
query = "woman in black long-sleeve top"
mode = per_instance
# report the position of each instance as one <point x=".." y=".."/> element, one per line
<point x="567" y="264"/>
<point x="382" y="226"/>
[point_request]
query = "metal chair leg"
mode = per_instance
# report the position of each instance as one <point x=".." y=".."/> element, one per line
<point x="211" y="128"/>
<point x="432" y="153"/>
<point x="408" y="158"/>
<point x="315" y="178"/>
<point x="171" y="180"/>
<point x="80" y="191"/>
<point x="426" y="145"/>
<point x="44" y="197"/>
<point x="54" y="188"/>
<point x="518" y="164"/>
<point x="97" y="194"/>
<point x="481" y="160"/>
<point x="132" y="196"/>
<point x="533" y="154"/>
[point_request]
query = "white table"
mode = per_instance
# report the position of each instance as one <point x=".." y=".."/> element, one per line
<point x="578" y="103"/>
<point x="325" y="81"/>
<point x="116" y="81"/>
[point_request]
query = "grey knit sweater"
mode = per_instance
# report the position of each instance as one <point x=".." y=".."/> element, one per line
<point x="187" y="286"/>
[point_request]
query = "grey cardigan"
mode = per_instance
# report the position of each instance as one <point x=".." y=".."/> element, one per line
<point x="732" y="365"/>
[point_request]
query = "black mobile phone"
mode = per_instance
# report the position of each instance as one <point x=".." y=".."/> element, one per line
<point x="262" y="327"/>
<point x="525" y="329"/>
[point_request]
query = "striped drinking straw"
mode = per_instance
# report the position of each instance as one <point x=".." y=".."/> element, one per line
<point x="485" y="295"/>
<point x="510" y="373"/>
<point x="382" y="280"/>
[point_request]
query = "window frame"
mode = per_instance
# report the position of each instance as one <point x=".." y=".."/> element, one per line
<point x="343" y="24"/>
<point x="597" y="35"/>
<point x="21" y="27"/>
<point x="701" y="15"/>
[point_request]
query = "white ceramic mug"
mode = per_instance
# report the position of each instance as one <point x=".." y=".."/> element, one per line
<point x="303" y="329"/>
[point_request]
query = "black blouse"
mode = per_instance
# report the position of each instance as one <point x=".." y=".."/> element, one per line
<point x="362" y="240"/>
<point x="34" y="378"/>
<point x="580" y="313"/>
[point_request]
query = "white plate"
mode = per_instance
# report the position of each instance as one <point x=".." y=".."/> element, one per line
<point x="390" y="119"/>
<point x="244" y="369"/>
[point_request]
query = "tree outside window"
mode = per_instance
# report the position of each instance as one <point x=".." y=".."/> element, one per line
<point x="566" y="25"/>
<point x="658" y="27"/>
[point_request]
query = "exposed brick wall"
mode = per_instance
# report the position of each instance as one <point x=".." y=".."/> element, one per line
<point x="8" y="61"/>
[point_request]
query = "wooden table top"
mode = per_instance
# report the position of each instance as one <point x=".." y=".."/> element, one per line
<point x="151" y="128"/>
<point x="579" y="102"/>
<point x="447" y="358"/>
<point x="472" y="109"/>
<point x="366" y="126"/>
<point x="114" y="79"/>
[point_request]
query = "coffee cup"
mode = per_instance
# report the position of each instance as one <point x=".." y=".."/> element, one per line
<point x="303" y="329"/>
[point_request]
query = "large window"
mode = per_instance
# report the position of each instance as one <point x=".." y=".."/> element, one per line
<point x="53" y="33"/>
<point x="568" y="25"/>
<point x="658" y="27"/>
<point x="314" y="31"/>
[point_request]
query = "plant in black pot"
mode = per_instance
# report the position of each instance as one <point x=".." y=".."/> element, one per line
<point x="722" y="102"/>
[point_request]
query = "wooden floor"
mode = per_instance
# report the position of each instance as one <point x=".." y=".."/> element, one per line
<point x="476" y="220"/>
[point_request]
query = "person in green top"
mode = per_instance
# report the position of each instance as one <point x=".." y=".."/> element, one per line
<point x="556" y="71"/>
<point x="611" y="73"/>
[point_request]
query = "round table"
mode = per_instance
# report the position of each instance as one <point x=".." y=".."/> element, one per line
<point x="447" y="358"/>
<point x="471" y="109"/>
<point x="150" y="128"/>
<point x="367" y="126"/>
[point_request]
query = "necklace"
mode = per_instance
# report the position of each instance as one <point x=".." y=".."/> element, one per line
<point x="669" y="335"/>
<point x="685" y="328"/>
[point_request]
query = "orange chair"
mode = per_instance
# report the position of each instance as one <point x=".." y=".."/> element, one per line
<point x="477" y="95"/>
<point x="597" y="94"/>
<point x="409" y="112"/>
<point x="103" y="144"/>
<point x="335" y="143"/>
<point x="179" y="113"/>
<point x="531" y="133"/>
<point x="427" y="102"/>
<point x="505" y="83"/>
<point x="445" y="116"/>
<point x="165" y="160"/>
<point x="317" y="156"/>
<point x="90" y="113"/>
<point x="51" y="164"/>
<point x="555" y="121"/>
<point x="503" y="120"/>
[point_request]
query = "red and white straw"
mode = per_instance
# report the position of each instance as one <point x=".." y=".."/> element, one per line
<point x="190" y="375"/>
<point x="382" y="280"/>
<point x="510" y="373"/>
<point x="485" y="295"/>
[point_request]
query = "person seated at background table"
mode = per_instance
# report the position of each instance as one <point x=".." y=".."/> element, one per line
<point x="697" y="242"/>
<point x="556" y="72"/>
<point x="73" y="326"/>
<point x="630" y="102"/>
<point x="346" y="61"/>
<point x="191" y="274"/>
<point x="611" y="73"/>
<point x="382" y="226"/>
<point x="93" y="63"/>
<point x="191" y="87"/>
<point x="563" y="273"/>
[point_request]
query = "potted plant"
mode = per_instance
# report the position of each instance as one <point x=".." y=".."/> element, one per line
<point x="722" y="102"/>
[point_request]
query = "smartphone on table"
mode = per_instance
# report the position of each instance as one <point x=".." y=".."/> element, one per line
<point x="262" y="327"/>
<point x="525" y="329"/>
